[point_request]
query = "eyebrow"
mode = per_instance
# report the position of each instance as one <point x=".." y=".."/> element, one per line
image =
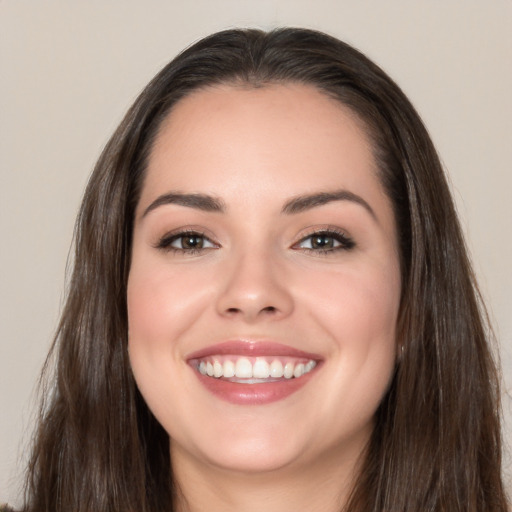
<point x="302" y="203"/>
<point x="295" y="205"/>
<point x="199" y="201"/>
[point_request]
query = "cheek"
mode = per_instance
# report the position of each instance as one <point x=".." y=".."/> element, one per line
<point x="358" y="312"/>
<point x="158" y="312"/>
<point x="163" y="306"/>
<point x="152" y="308"/>
<point x="161" y="303"/>
<point x="148" y="310"/>
<point x="357" y="307"/>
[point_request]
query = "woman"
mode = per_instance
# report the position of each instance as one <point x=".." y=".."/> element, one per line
<point x="271" y="303"/>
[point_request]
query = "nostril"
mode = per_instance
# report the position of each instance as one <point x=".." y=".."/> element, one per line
<point x="267" y="309"/>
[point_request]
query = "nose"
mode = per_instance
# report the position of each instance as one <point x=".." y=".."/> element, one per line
<point x="255" y="288"/>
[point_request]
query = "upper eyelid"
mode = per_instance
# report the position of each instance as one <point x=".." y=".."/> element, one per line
<point x="170" y="236"/>
<point x="347" y="241"/>
<point x="303" y="235"/>
<point x="188" y="230"/>
<point x="329" y="230"/>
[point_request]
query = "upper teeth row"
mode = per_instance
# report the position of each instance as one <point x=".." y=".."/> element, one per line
<point x="260" y="369"/>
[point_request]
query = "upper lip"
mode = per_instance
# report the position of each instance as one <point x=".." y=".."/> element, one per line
<point x="252" y="348"/>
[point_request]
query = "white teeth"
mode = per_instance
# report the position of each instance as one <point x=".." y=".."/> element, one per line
<point x="256" y="371"/>
<point x="309" y="366"/>
<point x="299" y="371"/>
<point x="229" y="369"/>
<point x="288" y="370"/>
<point x="276" y="369"/>
<point x="217" y="369"/>
<point x="260" y="369"/>
<point x="243" y="368"/>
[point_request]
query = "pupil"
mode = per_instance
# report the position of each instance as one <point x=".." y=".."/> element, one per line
<point x="322" y="242"/>
<point x="192" y="242"/>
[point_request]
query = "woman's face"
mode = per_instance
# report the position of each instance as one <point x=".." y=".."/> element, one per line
<point x="264" y="286"/>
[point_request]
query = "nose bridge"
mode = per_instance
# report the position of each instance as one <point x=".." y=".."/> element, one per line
<point x="255" y="285"/>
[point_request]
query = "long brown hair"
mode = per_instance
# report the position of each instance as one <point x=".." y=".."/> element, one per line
<point x="436" y="445"/>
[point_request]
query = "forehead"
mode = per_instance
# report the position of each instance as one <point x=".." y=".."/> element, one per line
<point x="235" y="140"/>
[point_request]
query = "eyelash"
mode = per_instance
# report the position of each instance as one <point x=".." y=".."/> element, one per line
<point x="165" y="243"/>
<point x="345" y="243"/>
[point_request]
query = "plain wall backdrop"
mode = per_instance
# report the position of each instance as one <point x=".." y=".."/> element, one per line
<point x="69" y="70"/>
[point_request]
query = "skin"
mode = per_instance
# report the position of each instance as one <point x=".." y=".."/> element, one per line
<point x="256" y="278"/>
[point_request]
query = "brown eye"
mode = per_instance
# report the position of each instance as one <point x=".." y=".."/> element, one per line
<point x="322" y="242"/>
<point x="326" y="241"/>
<point x="189" y="242"/>
<point x="186" y="242"/>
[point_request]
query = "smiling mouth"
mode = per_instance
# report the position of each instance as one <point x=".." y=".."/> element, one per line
<point x="253" y="373"/>
<point x="253" y="370"/>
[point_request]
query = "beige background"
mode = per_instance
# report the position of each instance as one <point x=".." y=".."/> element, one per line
<point x="70" y="69"/>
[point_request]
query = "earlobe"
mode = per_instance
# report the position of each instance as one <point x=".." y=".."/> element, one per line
<point x="400" y="349"/>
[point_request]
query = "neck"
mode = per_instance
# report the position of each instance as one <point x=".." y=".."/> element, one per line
<point x="317" y="487"/>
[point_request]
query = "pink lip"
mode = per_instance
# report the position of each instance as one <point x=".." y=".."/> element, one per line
<point x="252" y="348"/>
<point x="252" y="394"/>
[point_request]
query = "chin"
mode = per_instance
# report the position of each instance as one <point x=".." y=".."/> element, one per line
<point x="247" y="452"/>
<point x="253" y="460"/>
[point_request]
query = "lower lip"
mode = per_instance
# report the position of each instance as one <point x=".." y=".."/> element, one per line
<point x="253" y="394"/>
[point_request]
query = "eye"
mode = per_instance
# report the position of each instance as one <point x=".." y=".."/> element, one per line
<point x="325" y="241"/>
<point x="186" y="242"/>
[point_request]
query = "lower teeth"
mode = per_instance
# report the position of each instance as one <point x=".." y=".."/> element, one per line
<point x="252" y="381"/>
